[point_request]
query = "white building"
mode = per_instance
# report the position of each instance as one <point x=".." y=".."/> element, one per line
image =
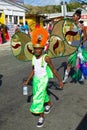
<point x="13" y="12"/>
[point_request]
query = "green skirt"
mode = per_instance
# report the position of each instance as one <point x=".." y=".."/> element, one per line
<point x="72" y="59"/>
<point x="40" y="95"/>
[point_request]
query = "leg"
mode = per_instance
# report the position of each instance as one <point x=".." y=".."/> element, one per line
<point x="39" y="98"/>
<point x="40" y="95"/>
<point x="41" y="120"/>
<point x="47" y="107"/>
<point x="49" y="103"/>
<point x="46" y="111"/>
<point x="82" y="78"/>
<point x="67" y="73"/>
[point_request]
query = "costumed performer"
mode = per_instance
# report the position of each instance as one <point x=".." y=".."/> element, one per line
<point x="41" y="72"/>
<point x="75" y="58"/>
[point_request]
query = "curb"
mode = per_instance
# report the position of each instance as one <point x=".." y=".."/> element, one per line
<point x="7" y="44"/>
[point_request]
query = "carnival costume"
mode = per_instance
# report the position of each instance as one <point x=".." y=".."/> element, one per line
<point x="64" y="40"/>
<point x="40" y="82"/>
<point x="40" y="78"/>
<point x="59" y="41"/>
<point x="79" y="60"/>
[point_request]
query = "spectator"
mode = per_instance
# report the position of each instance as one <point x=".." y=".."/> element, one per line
<point x="22" y="28"/>
<point x="50" y="26"/>
<point x="0" y="36"/>
<point x="37" y="25"/>
<point x="26" y="28"/>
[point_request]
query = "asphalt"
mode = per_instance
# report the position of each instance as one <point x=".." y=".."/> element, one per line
<point x="69" y="111"/>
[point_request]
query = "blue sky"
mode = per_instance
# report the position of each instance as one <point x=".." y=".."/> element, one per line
<point x="43" y="2"/>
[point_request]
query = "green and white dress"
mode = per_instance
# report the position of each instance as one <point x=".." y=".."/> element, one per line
<point x="40" y="82"/>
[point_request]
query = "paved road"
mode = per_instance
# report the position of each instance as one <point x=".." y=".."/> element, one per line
<point x="69" y="110"/>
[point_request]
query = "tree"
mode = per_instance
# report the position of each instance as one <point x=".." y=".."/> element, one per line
<point x="79" y="1"/>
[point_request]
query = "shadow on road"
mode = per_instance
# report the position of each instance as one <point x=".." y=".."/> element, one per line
<point x="83" y="124"/>
<point x="1" y="79"/>
<point x="63" y="65"/>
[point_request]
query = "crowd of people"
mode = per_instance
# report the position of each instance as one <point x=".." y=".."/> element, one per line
<point x="4" y="30"/>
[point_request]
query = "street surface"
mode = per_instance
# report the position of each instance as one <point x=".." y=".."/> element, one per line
<point x="69" y="111"/>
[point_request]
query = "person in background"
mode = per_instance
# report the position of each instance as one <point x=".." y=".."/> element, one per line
<point x="3" y="34"/>
<point x="37" y="25"/>
<point x="74" y="59"/>
<point x="17" y="29"/>
<point x="50" y="27"/>
<point x="45" y="26"/>
<point x="22" y="27"/>
<point x="26" y="26"/>
<point x="7" y="33"/>
<point x="83" y="31"/>
<point x="0" y="36"/>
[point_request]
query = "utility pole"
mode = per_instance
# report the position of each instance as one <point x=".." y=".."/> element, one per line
<point x="63" y="8"/>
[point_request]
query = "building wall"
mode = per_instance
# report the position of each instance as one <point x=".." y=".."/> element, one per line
<point x="19" y="1"/>
<point x="84" y="18"/>
<point x="11" y="15"/>
<point x="10" y="12"/>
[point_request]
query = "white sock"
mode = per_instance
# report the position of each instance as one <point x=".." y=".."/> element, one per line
<point x="66" y="75"/>
<point x="82" y="77"/>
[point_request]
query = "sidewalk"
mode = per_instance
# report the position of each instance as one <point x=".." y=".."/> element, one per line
<point x="5" y="46"/>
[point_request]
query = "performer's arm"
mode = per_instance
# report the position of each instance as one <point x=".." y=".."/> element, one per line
<point x="29" y="76"/>
<point x="49" y="62"/>
<point x="84" y="34"/>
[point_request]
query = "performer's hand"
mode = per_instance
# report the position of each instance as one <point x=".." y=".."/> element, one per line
<point x="25" y="83"/>
<point x="61" y="84"/>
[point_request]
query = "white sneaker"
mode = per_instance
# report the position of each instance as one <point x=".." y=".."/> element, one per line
<point x="47" y="109"/>
<point x="82" y="79"/>
<point x="40" y="122"/>
<point x="65" y="79"/>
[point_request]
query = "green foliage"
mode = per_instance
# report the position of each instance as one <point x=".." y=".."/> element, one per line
<point x="75" y="5"/>
<point x="79" y="1"/>
<point x="54" y="8"/>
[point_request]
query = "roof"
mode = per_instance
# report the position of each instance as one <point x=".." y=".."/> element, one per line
<point x="22" y="6"/>
<point x="68" y="14"/>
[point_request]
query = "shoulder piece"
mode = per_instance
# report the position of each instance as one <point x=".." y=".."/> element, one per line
<point x="33" y="58"/>
<point x="42" y="63"/>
